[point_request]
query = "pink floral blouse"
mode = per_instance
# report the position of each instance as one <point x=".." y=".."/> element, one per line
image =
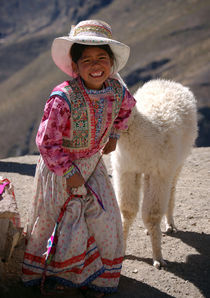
<point x="55" y="125"/>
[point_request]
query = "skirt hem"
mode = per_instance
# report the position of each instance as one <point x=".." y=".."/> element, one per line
<point x="70" y="284"/>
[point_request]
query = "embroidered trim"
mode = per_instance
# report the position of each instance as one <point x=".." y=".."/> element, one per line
<point x="76" y="269"/>
<point x="71" y="171"/>
<point x="75" y="259"/>
<point x="83" y="123"/>
<point x="82" y="120"/>
<point x="66" y="282"/>
<point x="114" y="136"/>
<point x="84" y="283"/>
<point x="112" y="262"/>
<point x="98" y="92"/>
<point x="63" y="95"/>
<point x="93" y="28"/>
<point x="113" y="107"/>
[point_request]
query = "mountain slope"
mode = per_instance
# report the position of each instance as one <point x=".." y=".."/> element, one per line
<point x="168" y="39"/>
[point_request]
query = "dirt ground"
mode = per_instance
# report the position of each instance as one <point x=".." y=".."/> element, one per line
<point x="187" y="252"/>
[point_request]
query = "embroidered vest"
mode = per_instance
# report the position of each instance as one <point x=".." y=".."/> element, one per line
<point x="83" y="126"/>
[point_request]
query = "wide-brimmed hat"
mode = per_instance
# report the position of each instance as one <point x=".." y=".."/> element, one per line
<point x="90" y="32"/>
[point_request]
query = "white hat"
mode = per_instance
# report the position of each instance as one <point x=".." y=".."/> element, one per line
<point x="90" y="32"/>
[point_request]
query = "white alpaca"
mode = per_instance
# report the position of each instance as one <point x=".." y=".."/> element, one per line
<point x="162" y="130"/>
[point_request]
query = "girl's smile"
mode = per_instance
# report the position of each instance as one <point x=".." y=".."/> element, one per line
<point x="98" y="74"/>
<point x="94" y="67"/>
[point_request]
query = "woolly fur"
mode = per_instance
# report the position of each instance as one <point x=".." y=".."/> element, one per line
<point x="162" y="131"/>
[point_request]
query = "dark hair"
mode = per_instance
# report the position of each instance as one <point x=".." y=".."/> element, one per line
<point x="78" y="49"/>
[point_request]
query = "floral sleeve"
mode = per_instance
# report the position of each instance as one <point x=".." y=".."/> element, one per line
<point x="121" y="122"/>
<point x="54" y="124"/>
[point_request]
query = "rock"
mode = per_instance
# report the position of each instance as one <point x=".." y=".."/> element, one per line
<point x="10" y="230"/>
<point x="10" y="236"/>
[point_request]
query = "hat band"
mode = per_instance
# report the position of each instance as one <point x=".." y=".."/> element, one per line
<point x="94" y="29"/>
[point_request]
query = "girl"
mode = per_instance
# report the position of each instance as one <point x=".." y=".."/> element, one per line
<point x="81" y="122"/>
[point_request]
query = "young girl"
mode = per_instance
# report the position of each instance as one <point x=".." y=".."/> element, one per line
<point x="81" y="122"/>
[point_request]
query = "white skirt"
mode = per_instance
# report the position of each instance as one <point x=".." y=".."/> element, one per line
<point x="90" y="249"/>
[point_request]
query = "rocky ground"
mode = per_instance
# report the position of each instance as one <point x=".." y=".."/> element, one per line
<point x="187" y="252"/>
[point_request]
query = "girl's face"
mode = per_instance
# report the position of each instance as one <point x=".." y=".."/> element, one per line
<point x="94" y="67"/>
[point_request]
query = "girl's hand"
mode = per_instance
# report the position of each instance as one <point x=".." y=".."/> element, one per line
<point x="110" y="146"/>
<point x="75" y="181"/>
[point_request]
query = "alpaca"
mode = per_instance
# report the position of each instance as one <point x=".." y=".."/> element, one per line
<point x="161" y="133"/>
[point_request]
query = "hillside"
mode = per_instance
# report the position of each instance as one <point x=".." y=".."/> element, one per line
<point x="168" y="39"/>
<point x="186" y="252"/>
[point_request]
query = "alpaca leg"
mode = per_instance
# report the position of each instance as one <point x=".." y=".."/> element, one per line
<point x="128" y="195"/>
<point x="156" y="193"/>
<point x="169" y="220"/>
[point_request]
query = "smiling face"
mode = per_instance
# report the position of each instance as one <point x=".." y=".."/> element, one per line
<point x="94" y="67"/>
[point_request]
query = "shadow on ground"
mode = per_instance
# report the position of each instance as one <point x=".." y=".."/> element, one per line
<point x="196" y="268"/>
<point x="16" y="167"/>
<point x="128" y="288"/>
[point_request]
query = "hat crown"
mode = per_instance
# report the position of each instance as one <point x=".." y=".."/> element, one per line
<point x="91" y="28"/>
<point x="93" y="33"/>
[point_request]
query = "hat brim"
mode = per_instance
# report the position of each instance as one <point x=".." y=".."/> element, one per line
<point x="61" y="48"/>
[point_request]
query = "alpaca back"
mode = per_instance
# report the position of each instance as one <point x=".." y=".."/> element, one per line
<point x="167" y="104"/>
<point x="162" y="128"/>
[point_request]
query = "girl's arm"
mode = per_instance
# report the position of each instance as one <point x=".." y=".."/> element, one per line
<point x="49" y="139"/>
<point x="110" y="146"/>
